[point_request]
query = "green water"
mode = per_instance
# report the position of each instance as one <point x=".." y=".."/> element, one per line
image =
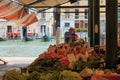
<point x="17" y="48"/>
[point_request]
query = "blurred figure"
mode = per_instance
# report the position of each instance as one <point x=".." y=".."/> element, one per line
<point x="74" y="36"/>
<point x="70" y="35"/>
<point x="46" y="38"/>
<point x="67" y="35"/>
<point x="103" y="38"/>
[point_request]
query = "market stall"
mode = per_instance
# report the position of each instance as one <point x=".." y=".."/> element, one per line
<point x="66" y="61"/>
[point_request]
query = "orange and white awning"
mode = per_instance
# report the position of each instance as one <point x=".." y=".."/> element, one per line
<point x="14" y="12"/>
<point x="27" y="20"/>
<point x="41" y="5"/>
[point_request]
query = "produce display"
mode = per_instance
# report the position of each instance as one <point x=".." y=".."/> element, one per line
<point x="69" y="75"/>
<point x="74" y="56"/>
<point x="66" y="61"/>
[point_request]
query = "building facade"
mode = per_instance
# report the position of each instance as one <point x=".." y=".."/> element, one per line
<point x="69" y="17"/>
<point x="75" y="17"/>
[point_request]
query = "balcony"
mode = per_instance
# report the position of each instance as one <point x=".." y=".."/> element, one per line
<point x="77" y="17"/>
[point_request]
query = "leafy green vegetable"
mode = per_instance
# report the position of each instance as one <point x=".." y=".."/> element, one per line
<point x="34" y="76"/>
<point x="12" y="75"/>
<point x="69" y="75"/>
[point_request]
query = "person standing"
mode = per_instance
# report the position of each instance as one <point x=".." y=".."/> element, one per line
<point x="67" y="35"/>
<point x="74" y="36"/>
<point x="70" y="35"/>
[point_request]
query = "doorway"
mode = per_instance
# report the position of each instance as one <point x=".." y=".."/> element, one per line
<point x="9" y="32"/>
<point x="43" y="30"/>
<point x="9" y="28"/>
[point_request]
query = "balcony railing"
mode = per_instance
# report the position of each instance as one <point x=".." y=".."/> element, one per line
<point x="77" y="17"/>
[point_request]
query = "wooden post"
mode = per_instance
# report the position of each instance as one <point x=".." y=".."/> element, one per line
<point x="90" y="22"/>
<point x="96" y="21"/>
<point x="111" y="33"/>
<point x="56" y="19"/>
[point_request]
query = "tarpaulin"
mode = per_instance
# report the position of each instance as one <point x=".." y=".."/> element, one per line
<point x="27" y="20"/>
<point x="14" y="12"/>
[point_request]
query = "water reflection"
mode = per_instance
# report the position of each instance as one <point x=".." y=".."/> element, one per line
<point x="17" y="48"/>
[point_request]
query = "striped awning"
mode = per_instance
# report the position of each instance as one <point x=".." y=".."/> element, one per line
<point x="11" y="11"/>
<point x="15" y="10"/>
<point x="42" y="5"/>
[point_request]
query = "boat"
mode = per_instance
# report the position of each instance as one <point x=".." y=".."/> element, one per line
<point x="2" y="39"/>
<point x="46" y="38"/>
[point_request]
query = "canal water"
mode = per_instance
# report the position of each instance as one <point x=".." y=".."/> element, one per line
<point x="18" y="48"/>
